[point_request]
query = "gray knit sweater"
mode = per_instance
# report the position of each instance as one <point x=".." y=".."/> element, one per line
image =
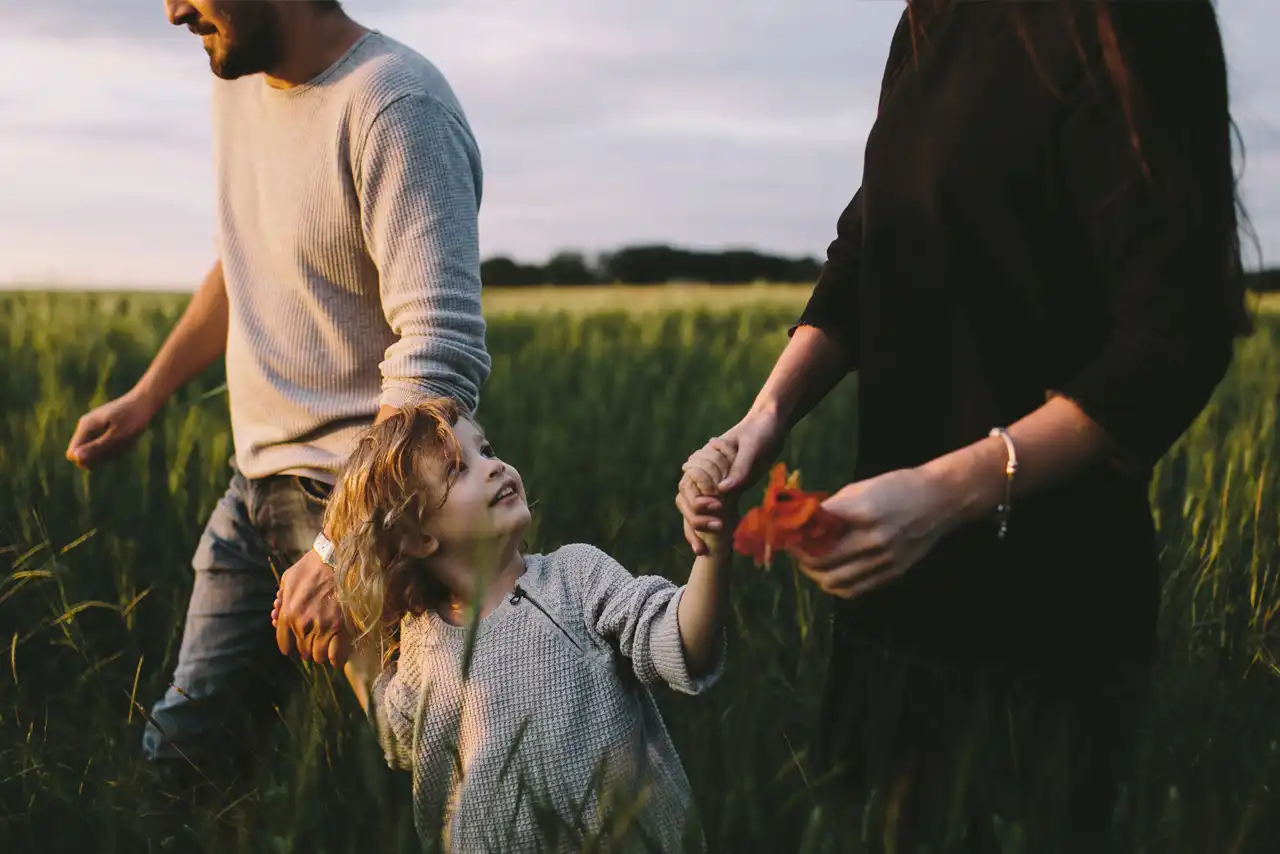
<point x="558" y="688"/>
<point x="347" y="230"/>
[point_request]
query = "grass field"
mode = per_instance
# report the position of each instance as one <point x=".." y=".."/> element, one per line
<point x="597" y="396"/>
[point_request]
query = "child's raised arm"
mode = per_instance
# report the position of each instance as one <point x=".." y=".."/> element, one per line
<point x="671" y="633"/>
<point x="706" y="595"/>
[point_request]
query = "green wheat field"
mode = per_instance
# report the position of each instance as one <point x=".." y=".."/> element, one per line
<point x="597" y="396"/>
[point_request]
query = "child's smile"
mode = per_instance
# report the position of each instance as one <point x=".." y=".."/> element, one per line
<point x="486" y="501"/>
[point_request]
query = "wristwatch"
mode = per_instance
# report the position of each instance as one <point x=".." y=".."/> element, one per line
<point x="324" y="547"/>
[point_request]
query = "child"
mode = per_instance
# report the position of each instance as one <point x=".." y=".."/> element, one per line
<point x="546" y="723"/>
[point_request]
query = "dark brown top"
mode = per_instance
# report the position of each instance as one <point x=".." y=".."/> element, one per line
<point x="1005" y="244"/>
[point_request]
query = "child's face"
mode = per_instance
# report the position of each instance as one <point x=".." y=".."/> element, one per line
<point x="486" y="502"/>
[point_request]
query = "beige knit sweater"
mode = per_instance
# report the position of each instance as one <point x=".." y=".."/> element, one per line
<point x="348" y="234"/>
<point x="555" y="716"/>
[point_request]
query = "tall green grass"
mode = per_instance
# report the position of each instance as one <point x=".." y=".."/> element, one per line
<point x="598" y="411"/>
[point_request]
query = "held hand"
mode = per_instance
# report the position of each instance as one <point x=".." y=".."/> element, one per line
<point x="758" y="437"/>
<point x="109" y="430"/>
<point x="703" y="472"/>
<point x="307" y="618"/>
<point x="896" y="518"/>
<point x="753" y="444"/>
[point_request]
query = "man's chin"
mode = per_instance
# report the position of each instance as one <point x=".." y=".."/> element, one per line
<point x="223" y="73"/>
<point x="231" y="67"/>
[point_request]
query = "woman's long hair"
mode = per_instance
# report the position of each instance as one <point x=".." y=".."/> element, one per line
<point x="1128" y="91"/>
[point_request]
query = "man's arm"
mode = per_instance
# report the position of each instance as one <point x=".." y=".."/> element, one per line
<point x="418" y="176"/>
<point x="199" y="338"/>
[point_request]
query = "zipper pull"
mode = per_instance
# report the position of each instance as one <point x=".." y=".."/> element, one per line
<point x="516" y="595"/>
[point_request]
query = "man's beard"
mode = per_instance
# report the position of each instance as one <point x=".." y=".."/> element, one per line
<point x="251" y="41"/>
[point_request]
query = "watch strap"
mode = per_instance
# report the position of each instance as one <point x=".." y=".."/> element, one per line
<point x="324" y="547"/>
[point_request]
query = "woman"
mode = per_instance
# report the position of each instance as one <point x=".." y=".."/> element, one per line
<point x="1038" y="284"/>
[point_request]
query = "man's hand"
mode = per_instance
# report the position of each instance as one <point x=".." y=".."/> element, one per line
<point x="308" y="619"/>
<point x="110" y="429"/>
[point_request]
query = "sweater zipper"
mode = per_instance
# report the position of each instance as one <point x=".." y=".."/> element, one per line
<point x="520" y="593"/>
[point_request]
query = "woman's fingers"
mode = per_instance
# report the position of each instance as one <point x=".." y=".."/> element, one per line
<point x="858" y="544"/>
<point x="723" y="452"/>
<point x="703" y="478"/>
<point x="852" y="578"/>
<point x="716" y="457"/>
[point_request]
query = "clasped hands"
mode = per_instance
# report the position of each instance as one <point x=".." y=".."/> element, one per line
<point x="894" y="519"/>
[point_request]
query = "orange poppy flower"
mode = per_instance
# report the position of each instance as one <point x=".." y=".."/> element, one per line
<point x="788" y="517"/>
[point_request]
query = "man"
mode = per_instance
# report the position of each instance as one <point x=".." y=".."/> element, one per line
<point x="347" y="284"/>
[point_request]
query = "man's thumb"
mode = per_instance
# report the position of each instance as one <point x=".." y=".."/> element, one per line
<point x="86" y="454"/>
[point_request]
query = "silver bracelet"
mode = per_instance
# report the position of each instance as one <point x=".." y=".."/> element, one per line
<point x="1010" y="469"/>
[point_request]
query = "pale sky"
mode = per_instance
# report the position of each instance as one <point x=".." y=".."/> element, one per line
<point x="602" y="123"/>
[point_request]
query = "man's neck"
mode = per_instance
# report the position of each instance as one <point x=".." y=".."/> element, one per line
<point x="311" y="42"/>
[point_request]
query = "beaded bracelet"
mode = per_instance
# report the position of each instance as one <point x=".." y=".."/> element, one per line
<point x="1010" y="469"/>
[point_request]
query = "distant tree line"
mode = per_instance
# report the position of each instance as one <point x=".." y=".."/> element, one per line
<point x="1264" y="281"/>
<point x="660" y="264"/>
<point x="652" y="265"/>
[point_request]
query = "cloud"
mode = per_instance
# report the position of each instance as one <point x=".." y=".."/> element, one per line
<point x="131" y="19"/>
<point x="710" y="123"/>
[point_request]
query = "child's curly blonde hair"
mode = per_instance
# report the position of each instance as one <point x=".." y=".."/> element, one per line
<point x="399" y="475"/>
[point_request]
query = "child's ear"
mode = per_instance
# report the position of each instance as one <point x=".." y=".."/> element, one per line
<point x="420" y="546"/>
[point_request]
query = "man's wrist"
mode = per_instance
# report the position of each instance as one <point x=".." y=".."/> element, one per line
<point x="148" y="396"/>
<point x="324" y="547"/>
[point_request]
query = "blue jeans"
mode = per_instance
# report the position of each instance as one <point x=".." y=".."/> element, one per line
<point x="230" y="677"/>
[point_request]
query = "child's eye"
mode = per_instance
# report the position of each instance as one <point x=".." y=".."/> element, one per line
<point x="487" y="451"/>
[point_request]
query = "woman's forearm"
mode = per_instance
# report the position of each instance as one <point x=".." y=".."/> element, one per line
<point x="1052" y="442"/>
<point x="813" y="363"/>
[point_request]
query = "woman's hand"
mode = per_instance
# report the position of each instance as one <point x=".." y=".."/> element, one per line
<point x="749" y="447"/>
<point x="896" y="518"/>
<point x="703" y="473"/>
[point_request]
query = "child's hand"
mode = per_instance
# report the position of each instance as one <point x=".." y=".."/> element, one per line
<point x="705" y="469"/>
